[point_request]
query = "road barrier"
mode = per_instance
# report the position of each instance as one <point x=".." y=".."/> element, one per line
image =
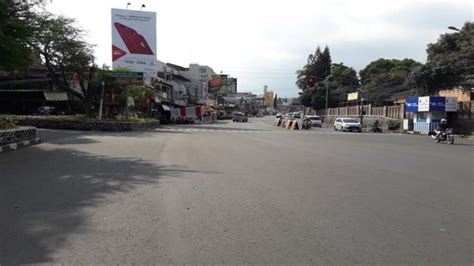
<point x="294" y="125"/>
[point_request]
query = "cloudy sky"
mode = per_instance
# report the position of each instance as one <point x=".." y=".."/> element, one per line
<point x="263" y="42"/>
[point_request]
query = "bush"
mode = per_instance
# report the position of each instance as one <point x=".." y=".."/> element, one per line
<point x="393" y="124"/>
<point x="7" y="123"/>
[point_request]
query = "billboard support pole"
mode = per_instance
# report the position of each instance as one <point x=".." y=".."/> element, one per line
<point x="101" y="100"/>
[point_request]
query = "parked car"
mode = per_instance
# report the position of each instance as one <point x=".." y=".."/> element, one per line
<point x="315" y="120"/>
<point x="279" y="115"/>
<point x="239" y="117"/>
<point x="347" y="124"/>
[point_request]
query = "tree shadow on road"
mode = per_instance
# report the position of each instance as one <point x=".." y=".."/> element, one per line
<point x="43" y="191"/>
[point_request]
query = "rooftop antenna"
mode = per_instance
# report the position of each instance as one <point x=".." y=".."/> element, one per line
<point x="128" y="5"/>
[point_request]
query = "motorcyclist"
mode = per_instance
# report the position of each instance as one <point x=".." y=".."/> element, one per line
<point x="306" y="123"/>
<point x="442" y="126"/>
<point x="375" y="126"/>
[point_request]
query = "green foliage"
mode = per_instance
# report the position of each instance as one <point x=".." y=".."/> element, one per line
<point x="7" y="123"/>
<point x="140" y="95"/>
<point x="340" y="80"/>
<point x="15" y="33"/>
<point x="384" y="77"/>
<point x="393" y="124"/>
<point x="318" y="66"/>
<point x="450" y="62"/>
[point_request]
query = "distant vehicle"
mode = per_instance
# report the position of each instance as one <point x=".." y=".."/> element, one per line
<point x="279" y="115"/>
<point x="259" y="115"/>
<point x="47" y="110"/>
<point x="297" y="115"/>
<point x="347" y="124"/>
<point x="239" y="117"/>
<point x="315" y="120"/>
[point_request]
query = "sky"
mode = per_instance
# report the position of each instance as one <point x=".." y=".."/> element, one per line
<point x="264" y="42"/>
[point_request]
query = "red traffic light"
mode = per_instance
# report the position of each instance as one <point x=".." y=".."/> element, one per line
<point x="311" y="81"/>
<point x="152" y="98"/>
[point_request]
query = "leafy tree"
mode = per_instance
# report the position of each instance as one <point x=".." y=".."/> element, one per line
<point x="341" y="79"/>
<point x="318" y="67"/>
<point x="383" y="78"/>
<point x="450" y="62"/>
<point x="67" y="57"/>
<point x="15" y="33"/>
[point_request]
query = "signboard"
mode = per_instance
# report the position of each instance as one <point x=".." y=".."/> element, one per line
<point x="134" y="40"/>
<point x="451" y="104"/>
<point x="127" y="78"/>
<point x="424" y="104"/>
<point x="411" y="105"/>
<point x="218" y="84"/>
<point x="269" y="98"/>
<point x="353" y="96"/>
<point x="437" y="104"/>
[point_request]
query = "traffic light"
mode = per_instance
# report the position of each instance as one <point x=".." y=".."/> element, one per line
<point x="152" y="98"/>
<point x="311" y="81"/>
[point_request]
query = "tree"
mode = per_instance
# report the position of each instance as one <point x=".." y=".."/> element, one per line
<point x="384" y="78"/>
<point x="341" y="79"/>
<point x="450" y="62"/>
<point x="318" y="66"/>
<point x="67" y="57"/>
<point x="275" y="102"/>
<point x="15" y="33"/>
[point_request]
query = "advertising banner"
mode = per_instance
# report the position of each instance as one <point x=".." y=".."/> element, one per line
<point x="353" y="96"/>
<point x="451" y="104"/>
<point x="424" y="104"/>
<point x="218" y="84"/>
<point x="411" y="105"/>
<point x="269" y="98"/>
<point x="134" y="40"/>
<point x="437" y="104"/>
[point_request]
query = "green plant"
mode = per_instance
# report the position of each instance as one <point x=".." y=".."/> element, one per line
<point x="393" y="124"/>
<point x="7" y="123"/>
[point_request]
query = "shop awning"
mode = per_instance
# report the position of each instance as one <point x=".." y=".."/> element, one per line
<point x="166" y="107"/>
<point x="55" y="96"/>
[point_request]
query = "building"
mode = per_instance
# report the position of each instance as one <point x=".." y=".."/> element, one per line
<point x="199" y="77"/>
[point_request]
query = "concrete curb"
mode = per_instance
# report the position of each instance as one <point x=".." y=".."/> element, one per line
<point x="21" y="144"/>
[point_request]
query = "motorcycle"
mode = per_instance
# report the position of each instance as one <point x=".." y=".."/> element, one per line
<point x="447" y="136"/>
<point x="376" y="128"/>
<point x="306" y="125"/>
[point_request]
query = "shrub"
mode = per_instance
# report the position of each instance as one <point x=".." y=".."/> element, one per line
<point x="393" y="124"/>
<point x="7" y="123"/>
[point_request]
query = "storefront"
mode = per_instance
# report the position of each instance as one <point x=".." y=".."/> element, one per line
<point x="429" y="110"/>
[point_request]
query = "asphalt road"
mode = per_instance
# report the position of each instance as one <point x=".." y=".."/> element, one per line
<point x="237" y="193"/>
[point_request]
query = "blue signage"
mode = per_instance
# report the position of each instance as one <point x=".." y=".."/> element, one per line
<point x="411" y="105"/>
<point x="437" y="104"/>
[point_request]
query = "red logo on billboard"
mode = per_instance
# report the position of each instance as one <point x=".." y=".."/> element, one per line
<point x="117" y="53"/>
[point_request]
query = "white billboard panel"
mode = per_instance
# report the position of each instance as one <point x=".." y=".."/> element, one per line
<point x="451" y="104"/>
<point x="134" y="40"/>
<point x="424" y="104"/>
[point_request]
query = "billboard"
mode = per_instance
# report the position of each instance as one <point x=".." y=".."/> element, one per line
<point x="134" y="40"/>
<point x="269" y="98"/>
<point x="411" y="105"/>
<point x="353" y="96"/>
<point x="424" y="104"/>
<point x="218" y="84"/>
<point x="451" y="104"/>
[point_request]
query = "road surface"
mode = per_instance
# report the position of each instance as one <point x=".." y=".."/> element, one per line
<point x="237" y="193"/>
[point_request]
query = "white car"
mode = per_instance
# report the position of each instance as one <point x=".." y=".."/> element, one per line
<point x="347" y="124"/>
<point x="239" y="117"/>
<point x="315" y="120"/>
